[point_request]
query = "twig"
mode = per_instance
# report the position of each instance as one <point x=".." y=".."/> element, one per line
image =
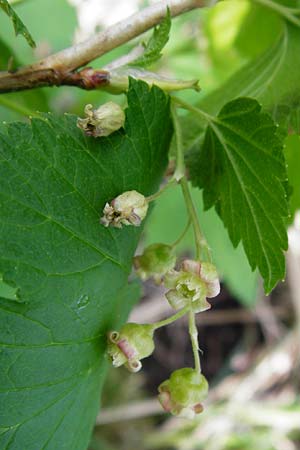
<point x="58" y="69"/>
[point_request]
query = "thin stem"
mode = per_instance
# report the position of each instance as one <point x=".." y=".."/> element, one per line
<point x="180" y="171"/>
<point x="171" y="319"/>
<point x="194" y="340"/>
<point x="193" y="109"/>
<point x="199" y="238"/>
<point x="157" y="194"/>
<point x="16" y="107"/>
<point x="182" y="234"/>
<point x="180" y="168"/>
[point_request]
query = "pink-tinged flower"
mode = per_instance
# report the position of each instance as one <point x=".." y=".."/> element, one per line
<point x="192" y="285"/>
<point x="129" y="208"/>
<point x="182" y="394"/>
<point x="102" y="121"/>
<point x="131" y="344"/>
<point x="156" y="261"/>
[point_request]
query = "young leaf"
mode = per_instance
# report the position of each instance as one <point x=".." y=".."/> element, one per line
<point x="70" y="271"/>
<point x="242" y="172"/>
<point x="155" y="44"/>
<point x="19" y="26"/>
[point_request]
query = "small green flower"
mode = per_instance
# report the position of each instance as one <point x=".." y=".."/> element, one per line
<point x="183" y="392"/>
<point x="192" y="284"/>
<point x="129" y="208"/>
<point x="156" y="261"/>
<point x="127" y="347"/>
<point x="102" y="121"/>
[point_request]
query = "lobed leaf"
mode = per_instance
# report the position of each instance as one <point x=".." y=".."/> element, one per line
<point x="242" y="171"/>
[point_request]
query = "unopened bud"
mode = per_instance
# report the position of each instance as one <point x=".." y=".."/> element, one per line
<point x="156" y="261"/>
<point x="102" y="121"/>
<point x="129" y="208"/>
<point x="183" y="392"/>
<point x="127" y="347"/>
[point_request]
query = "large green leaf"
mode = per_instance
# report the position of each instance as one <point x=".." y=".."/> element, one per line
<point x="242" y="171"/>
<point x="19" y="26"/>
<point x="273" y="78"/>
<point x="70" y="272"/>
<point x="258" y="31"/>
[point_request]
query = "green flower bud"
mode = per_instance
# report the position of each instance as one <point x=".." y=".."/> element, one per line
<point x="183" y="392"/>
<point x="133" y="343"/>
<point x="102" y="121"/>
<point x="129" y="208"/>
<point x="155" y="262"/>
<point x="191" y="285"/>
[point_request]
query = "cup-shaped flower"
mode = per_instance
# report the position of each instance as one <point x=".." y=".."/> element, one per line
<point x="102" y="121"/>
<point x="183" y="392"/>
<point x="129" y="208"/>
<point x="131" y="344"/>
<point x="192" y="285"/>
<point x="156" y="261"/>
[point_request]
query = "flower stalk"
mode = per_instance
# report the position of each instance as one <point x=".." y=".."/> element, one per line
<point x="193" y="332"/>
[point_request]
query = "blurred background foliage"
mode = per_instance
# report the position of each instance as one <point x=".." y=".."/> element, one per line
<point x="248" y="333"/>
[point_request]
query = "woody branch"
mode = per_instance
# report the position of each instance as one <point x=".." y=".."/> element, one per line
<point x="62" y="68"/>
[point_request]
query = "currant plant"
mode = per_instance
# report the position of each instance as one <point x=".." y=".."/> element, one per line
<point x="76" y="193"/>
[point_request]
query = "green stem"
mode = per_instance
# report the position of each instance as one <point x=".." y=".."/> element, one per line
<point x="180" y="168"/>
<point x="16" y="107"/>
<point x="157" y="194"/>
<point x="199" y="239"/>
<point x="182" y="234"/>
<point x="193" y="109"/>
<point x="194" y="340"/>
<point x="171" y="319"/>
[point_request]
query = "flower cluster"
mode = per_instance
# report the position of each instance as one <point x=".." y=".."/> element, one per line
<point x="189" y="287"/>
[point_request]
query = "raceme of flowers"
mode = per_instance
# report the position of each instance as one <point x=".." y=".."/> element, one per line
<point x="189" y="288"/>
